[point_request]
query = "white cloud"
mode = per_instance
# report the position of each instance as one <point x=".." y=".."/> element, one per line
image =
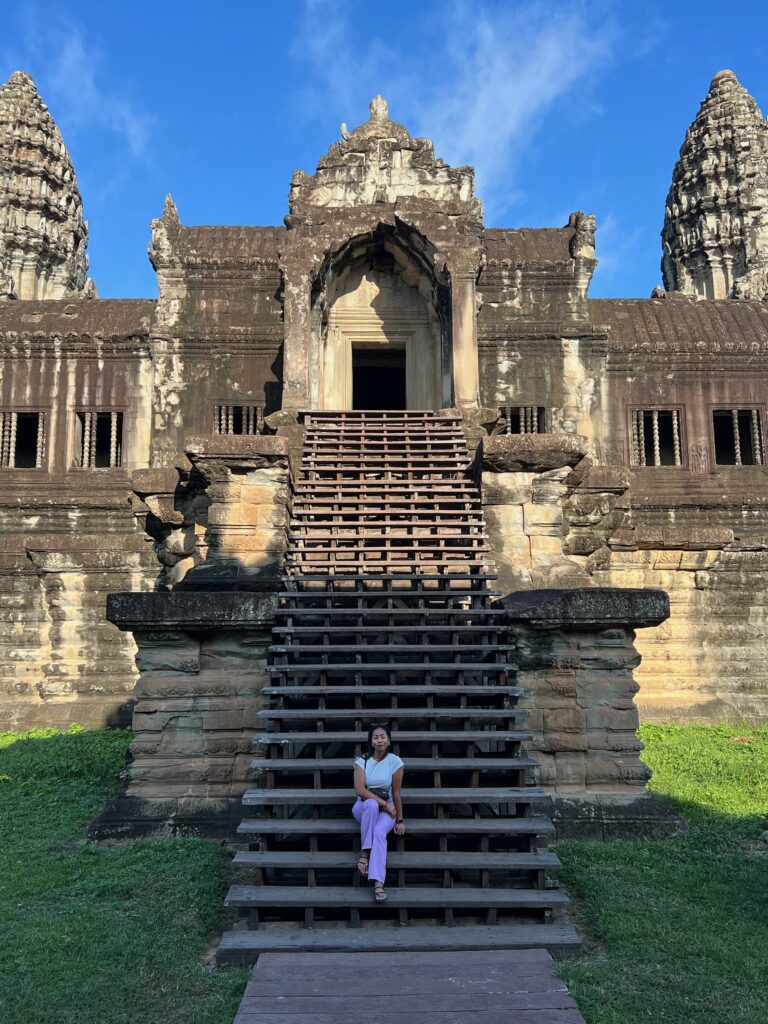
<point x="70" y="71"/>
<point x="490" y="76"/>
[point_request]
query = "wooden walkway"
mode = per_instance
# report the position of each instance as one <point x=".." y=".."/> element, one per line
<point x="481" y="987"/>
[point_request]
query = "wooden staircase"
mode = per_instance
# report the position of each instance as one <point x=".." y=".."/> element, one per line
<point x="386" y="615"/>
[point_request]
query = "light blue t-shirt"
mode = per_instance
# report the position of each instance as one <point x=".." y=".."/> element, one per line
<point x="379" y="773"/>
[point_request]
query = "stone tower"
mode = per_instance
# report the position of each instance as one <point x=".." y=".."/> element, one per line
<point x="715" y="235"/>
<point x="43" y="236"/>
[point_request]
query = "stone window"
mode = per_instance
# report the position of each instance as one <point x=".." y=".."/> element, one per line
<point x="238" y="419"/>
<point x="738" y="435"/>
<point x="98" y="439"/>
<point x="656" y="437"/>
<point x="22" y="439"/>
<point x="523" y="419"/>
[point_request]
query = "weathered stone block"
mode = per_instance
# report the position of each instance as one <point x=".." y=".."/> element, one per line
<point x="532" y="452"/>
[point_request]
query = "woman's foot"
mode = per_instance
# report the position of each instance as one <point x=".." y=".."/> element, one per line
<point x="379" y="892"/>
<point x="362" y="863"/>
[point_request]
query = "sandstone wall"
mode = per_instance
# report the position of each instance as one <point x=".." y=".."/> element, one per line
<point x="701" y="539"/>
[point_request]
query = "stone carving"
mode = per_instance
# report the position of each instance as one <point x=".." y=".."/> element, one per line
<point x="379" y="162"/>
<point x="698" y="457"/>
<point x="583" y="242"/>
<point x="715" y="236"/>
<point x="41" y="213"/>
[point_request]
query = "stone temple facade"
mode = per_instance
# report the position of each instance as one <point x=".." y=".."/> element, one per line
<point x="147" y="445"/>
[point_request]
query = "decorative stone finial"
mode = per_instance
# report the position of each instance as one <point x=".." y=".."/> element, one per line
<point x="43" y="232"/>
<point x="170" y="210"/>
<point x="379" y="109"/>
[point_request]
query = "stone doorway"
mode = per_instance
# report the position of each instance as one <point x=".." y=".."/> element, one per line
<point x="378" y="377"/>
<point x="379" y="337"/>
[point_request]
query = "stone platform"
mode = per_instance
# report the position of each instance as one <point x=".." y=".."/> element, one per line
<point x="406" y="988"/>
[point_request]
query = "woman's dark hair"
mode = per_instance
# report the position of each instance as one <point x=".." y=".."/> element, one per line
<point x="372" y="727"/>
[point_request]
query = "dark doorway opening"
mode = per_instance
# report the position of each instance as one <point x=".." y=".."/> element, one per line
<point x="378" y="378"/>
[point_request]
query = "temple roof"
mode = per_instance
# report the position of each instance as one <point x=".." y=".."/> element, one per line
<point x="682" y="324"/>
<point x="101" y="318"/>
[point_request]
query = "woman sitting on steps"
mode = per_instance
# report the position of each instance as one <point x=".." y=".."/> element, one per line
<point x="379" y="807"/>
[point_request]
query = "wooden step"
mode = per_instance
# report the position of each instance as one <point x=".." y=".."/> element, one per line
<point x="244" y="947"/>
<point x="399" y="736"/>
<point x="412" y="896"/>
<point x="371" y="614"/>
<point x="336" y="590"/>
<point x="396" y="714"/>
<point x="393" y="648"/>
<point x="373" y="630"/>
<point x="416" y="860"/>
<point x="414" y="764"/>
<point x="444" y="795"/>
<point x="370" y="668"/>
<point x="533" y="826"/>
<point x="318" y="690"/>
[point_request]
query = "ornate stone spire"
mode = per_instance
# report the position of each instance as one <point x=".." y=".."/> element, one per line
<point x="715" y="235"/>
<point x="43" y="236"/>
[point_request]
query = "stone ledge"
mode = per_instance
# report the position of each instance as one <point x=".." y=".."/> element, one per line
<point x="587" y="607"/>
<point x="600" y="817"/>
<point x="218" y="446"/>
<point x="189" y="611"/>
<point x="132" y="817"/>
<point x="532" y="453"/>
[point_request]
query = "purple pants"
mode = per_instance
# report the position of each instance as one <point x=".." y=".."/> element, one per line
<point x="375" y="825"/>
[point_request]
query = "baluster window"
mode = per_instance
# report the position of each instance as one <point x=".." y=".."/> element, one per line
<point x="22" y="439"/>
<point x="98" y="439"/>
<point x="738" y="435"/>
<point x="238" y="419"/>
<point x="656" y="437"/>
<point x="523" y="419"/>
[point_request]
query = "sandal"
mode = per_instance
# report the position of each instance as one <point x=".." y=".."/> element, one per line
<point x="362" y="864"/>
<point x="379" y="893"/>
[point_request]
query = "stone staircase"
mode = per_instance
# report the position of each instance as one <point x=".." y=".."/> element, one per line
<point x="386" y="615"/>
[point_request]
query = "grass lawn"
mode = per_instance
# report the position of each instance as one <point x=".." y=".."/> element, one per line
<point x="678" y="928"/>
<point x="100" y="936"/>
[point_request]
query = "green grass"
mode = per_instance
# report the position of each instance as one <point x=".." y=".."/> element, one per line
<point x="680" y="926"/>
<point x="93" y="935"/>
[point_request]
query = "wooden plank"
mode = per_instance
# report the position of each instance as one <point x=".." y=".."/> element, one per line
<point x="479" y="763"/>
<point x="445" y="795"/>
<point x="558" y="938"/>
<point x="376" y="1015"/>
<point x="416" y="827"/>
<point x="490" y="690"/>
<point x="412" y="896"/>
<point x="430" y="1002"/>
<point x="409" y="859"/>
<point x="320" y="714"/>
<point x="401" y="736"/>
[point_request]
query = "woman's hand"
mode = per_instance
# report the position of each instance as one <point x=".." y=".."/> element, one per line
<point x="391" y="809"/>
<point x="400" y="828"/>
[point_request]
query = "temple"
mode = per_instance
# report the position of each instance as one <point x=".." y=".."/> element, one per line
<point x="384" y="357"/>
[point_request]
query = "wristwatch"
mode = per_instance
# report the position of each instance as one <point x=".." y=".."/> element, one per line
<point x="400" y="821"/>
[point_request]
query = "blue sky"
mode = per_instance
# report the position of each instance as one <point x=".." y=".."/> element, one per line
<point x="560" y="106"/>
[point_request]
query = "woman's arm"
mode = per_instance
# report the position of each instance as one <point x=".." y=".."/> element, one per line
<point x="362" y="792"/>
<point x="397" y="781"/>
